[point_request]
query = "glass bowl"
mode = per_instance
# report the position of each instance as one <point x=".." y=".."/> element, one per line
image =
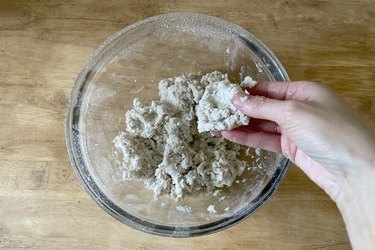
<point x="129" y="65"/>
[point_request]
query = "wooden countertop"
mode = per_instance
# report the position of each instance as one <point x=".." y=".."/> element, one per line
<point x="43" y="45"/>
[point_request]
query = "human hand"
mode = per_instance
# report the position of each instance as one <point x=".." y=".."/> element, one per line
<point x="322" y="135"/>
<point x="310" y="125"/>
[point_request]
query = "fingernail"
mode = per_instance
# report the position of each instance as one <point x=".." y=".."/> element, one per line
<point x="239" y="99"/>
<point x="229" y="136"/>
<point x="216" y="132"/>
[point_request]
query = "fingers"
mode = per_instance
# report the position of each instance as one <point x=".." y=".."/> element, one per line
<point x="284" y="90"/>
<point x="260" y="107"/>
<point x="259" y="125"/>
<point x="270" y="142"/>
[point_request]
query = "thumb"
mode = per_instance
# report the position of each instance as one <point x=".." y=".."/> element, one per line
<point x="260" y="107"/>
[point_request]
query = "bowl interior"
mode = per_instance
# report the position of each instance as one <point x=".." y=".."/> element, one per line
<point x="130" y="65"/>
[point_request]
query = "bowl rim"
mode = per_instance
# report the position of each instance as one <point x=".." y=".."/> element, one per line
<point x="83" y="174"/>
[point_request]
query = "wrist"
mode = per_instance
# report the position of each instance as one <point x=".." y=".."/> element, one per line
<point x="356" y="203"/>
<point x="358" y="187"/>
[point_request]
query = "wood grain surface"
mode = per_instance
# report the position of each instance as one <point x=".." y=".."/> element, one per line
<point x="43" y="45"/>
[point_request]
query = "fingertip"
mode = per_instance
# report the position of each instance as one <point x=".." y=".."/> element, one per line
<point x="240" y="99"/>
<point x="231" y="135"/>
<point x="226" y="134"/>
<point x="261" y="140"/>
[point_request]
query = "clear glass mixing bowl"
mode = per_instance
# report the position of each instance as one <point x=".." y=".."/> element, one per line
<point x="129" y="65"/>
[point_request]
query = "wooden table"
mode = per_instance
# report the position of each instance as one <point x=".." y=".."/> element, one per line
<point x="43" y="45"/>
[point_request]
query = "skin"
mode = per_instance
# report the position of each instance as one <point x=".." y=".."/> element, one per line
<point x="325" y="137"/>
